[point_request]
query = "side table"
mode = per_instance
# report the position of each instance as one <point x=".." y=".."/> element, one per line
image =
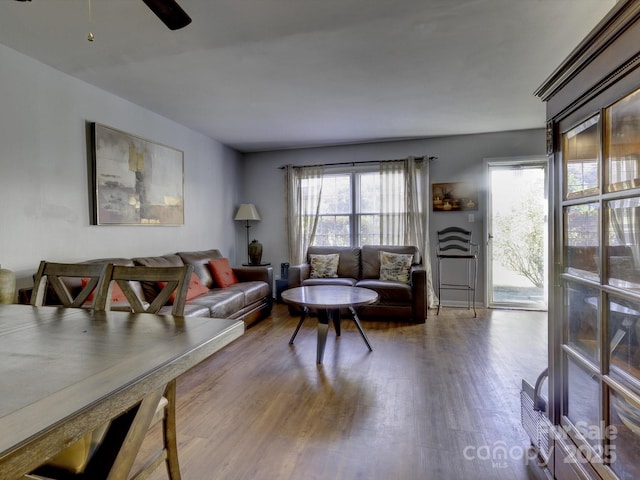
<point x="281" y="285"/>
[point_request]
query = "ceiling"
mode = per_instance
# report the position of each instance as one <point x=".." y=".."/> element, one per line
<point x="272" y="74"/>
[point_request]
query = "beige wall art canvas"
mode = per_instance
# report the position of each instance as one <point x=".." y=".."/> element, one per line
<point x="136" y="181"/>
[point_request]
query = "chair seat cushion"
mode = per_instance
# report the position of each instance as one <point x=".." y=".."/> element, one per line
<point x="75" y="457"/>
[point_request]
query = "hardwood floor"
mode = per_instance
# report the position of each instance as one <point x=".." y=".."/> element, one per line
<point x="432" y="401"/>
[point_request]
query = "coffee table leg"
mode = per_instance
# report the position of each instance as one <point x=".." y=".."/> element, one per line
<point x="303" y="315"/>
<point x="356" y="320"/>
<point x="324" y="317"/>
<point x="335" y="314"/>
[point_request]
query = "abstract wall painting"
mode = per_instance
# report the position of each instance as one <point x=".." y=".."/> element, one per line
<point x="136" y="181"/>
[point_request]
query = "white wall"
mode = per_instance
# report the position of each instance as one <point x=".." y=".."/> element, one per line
<point x="460" y="158"/>
<point x="44" y="184"/>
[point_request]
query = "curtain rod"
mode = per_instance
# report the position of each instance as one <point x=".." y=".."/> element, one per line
<point x="353" y="164"/>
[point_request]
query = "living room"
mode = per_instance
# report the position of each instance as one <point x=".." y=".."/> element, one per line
<point x="46" y="182"/>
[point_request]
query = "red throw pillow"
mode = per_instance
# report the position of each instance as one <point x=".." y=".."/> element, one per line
<point x="222" y="272"/>
<point x="117" y="295"/>
<point x="195" y="288"/>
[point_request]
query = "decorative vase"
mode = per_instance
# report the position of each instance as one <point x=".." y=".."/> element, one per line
<point x="255" y="252"/>
<point x="7" y="285"/>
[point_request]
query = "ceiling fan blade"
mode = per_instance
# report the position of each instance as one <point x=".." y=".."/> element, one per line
<point x="169" y="12"/>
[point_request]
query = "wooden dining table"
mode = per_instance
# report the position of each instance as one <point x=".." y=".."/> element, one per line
<point x="64" y="372"/>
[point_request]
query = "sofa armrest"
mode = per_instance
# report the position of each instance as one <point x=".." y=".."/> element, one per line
<point x="298" y="273"/>
<point x="419" y="292"/>
<point x="255" y="274"/>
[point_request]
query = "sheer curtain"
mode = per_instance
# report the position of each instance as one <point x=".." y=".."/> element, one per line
<point x="404" y="217"/>
<point x="303" y="190"/>
<point x="404" y="209"/>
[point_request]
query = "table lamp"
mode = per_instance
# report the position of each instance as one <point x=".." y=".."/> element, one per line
<point x="247" y="212"/>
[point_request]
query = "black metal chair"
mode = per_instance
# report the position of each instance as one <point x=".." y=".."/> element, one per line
<point x="454" y="243"/>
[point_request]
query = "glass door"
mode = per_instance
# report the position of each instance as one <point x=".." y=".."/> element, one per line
<point x="517" y="239"/>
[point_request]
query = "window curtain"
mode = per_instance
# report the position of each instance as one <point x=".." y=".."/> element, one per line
<point x="303" y="190"/>
<point x="404" y="210"/>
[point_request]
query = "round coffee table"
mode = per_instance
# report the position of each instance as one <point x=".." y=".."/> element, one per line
<point x="327" y="300"/>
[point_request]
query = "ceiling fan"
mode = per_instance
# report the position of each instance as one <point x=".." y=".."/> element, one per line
<point x="171" y="14"/>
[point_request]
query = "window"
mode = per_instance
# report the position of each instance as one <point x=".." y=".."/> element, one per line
<point x="351" y="206"/>
<point x="335" y="211"/>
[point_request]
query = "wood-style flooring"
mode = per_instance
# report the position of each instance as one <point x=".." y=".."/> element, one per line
<point x="432" y="401"/>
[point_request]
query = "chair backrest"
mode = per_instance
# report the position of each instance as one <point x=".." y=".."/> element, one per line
<point x="455" y="241"/>
<point x="172" y="284"/>
<point x="54" y="275"/>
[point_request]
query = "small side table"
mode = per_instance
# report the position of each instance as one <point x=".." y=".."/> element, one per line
<point x="256" y="265"/>
<point x="281" y="285"/>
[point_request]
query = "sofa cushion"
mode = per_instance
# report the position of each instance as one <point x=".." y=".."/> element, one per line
<point x="347" y="282"/>
<point x="222" y="272"/>
<point x="195" y="288"/>
<point x="389" y="292"/>
<point x="74" y="283"/>
<point x="222" y="302"/>
<point x="151" y="289"/>
<point x="200" y="262"/>
<point x="395" y="267"/>
<point x="161" y="261"/>
<point x="349" y="263"/>
<point x="117" y="295"/>
<point x="190" y="310"/>
<point x="252" y="291"/>
<point x="324" y="266"/>
<point x="371" y="257"/>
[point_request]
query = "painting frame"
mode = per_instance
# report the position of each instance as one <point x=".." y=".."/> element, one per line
<point x="454" y="197"/>
<point x="135" y="181"/>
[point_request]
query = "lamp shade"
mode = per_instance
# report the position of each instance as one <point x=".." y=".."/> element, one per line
<point x="247" y="211"/>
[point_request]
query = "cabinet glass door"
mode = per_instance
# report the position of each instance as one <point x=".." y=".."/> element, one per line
<point x="600" y="278"/>
<point x="580" y="153"/>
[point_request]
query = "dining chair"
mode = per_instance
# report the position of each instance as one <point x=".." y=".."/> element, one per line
<point x="53" y="285"/>
<point x="57" y="276"/>
<point x="170" y="285"/>
<point x="167" y="285"/>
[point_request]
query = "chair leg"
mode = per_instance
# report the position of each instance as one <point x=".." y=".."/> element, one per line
<point x="439" y="283"/>
<point x="169" y="433"/>
<point x="475" y="282"/>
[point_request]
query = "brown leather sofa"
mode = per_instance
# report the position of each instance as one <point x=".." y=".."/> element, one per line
<point x="250" y="299"/>
<point x="360" y="267"/>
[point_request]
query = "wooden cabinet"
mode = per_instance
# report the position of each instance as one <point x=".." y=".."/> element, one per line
<point x="593" y="115"/>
